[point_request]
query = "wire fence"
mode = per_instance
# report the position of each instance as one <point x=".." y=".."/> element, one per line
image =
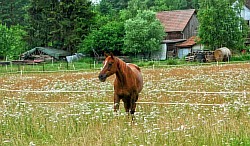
<point x="145" y="102"/>
<point x="80" y="66"/>
<point x="243" y="93"/>
<point x="158" y="90"/>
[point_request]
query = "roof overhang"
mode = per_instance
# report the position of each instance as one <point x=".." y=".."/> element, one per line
<point x="173" y="41"/>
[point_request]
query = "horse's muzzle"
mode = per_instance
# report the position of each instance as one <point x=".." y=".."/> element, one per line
<point x="102" y="77"/>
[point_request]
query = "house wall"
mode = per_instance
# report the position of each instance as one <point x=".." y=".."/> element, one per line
<point x="192" y="28"/>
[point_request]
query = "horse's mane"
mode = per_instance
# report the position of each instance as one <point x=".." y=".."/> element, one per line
<point x="137" y="67"/>
<point x="122" y="63"/>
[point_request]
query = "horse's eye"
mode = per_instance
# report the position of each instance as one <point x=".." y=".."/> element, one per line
<point x="110" y="64"/>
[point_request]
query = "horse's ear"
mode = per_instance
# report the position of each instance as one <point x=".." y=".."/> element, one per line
<point x="106" y="55"/>
<point x="112" y="55"/>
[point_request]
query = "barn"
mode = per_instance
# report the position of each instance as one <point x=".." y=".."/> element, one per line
<point x="179" y="26"/>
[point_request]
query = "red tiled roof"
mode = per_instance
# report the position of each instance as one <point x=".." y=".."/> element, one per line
<point x="189" y="42"/>
<point x="175" y="20"/>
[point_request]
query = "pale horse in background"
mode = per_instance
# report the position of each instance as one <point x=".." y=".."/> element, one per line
<point x="74" y="57"/>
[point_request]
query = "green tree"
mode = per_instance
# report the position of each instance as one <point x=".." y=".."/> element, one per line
<point x="11" y="41"/>
<point x="155" y="5"/>
<point x="193" y="4"/>
<point x="134" y="6"/>
<point x="37" y="27"/>
<point x="61" y="24"/>
<point x="107" y="6"/>
<point x="108" y="38"/>
<point x="12" y="12"/>
<point x="143" y="34"/>
<point x="221" y="25"/>
<point x="165" y="5"/>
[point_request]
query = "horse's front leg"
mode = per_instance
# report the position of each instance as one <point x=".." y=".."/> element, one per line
<point x="134" y="98"/>
<point x="116" y="102"/>
<point x="127" y="104"/>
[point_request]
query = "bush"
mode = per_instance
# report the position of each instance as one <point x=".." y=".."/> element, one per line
<point x="172" y="62"/>
<point x="242" y="57"/>
<point x="11" y="41"/>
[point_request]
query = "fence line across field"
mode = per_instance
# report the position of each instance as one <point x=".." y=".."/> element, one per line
<point x="155" y="103"/>
<point x="23" y="70"/>
<point x="92" y="91"/>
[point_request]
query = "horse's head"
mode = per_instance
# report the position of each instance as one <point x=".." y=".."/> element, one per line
<point x="109" y="67"/>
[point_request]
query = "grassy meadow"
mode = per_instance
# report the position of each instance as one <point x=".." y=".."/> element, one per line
<point x="188" y="105"/>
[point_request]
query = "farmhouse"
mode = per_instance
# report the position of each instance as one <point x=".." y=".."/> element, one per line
<point x="179" y="26"/>
<point x="245" y="14"/>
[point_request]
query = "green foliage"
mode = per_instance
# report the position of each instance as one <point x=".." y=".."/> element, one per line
<point x="108" y="38"/>
<point x="110" y="6"/>
<point x="163" y="5"/>
<point x="11" y="41"/>
<point x="220" y="25"/>
<point x="12" y="12"/>
<point x="135" y="5"/>
<point x="172" y="62"/>
<point x="243" y="57"/>
<point x="61" y="23"/>
<point x="143" y="33"/>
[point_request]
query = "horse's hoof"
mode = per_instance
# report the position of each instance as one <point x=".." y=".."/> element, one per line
<point x="133" y="117"/>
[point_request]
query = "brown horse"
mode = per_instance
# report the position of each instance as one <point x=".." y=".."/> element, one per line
<point x="128" y="82"/>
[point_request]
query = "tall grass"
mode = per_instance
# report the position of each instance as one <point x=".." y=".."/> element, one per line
<point x="95" y="124"/>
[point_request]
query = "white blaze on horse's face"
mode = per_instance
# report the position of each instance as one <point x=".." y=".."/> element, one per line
<point x="105" y="63"/>
<point x="108" y="69"/>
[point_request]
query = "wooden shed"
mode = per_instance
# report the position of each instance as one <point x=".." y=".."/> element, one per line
<point x="44" y="53"/>
<point x="189" y="46"/>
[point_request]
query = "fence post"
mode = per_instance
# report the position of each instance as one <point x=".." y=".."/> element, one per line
<point x="18" y="67"/>
<point x="11" y="69"/>
<point x="244" y="94"/>
<point x="43" y="67"/>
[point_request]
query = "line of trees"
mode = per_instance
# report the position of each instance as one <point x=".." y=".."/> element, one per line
<point x="120" y="26"/>
<point x="221" y="24"/>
